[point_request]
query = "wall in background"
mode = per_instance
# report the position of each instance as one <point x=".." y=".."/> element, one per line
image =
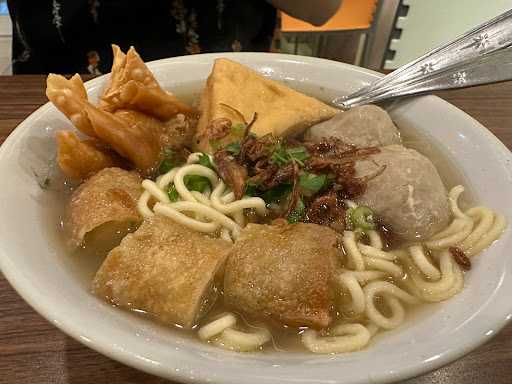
<point x="429" y="23"/>
<point x="5" y="39"/>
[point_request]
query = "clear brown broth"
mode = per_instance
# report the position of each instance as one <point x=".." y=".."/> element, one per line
<point x="84" y="262"/>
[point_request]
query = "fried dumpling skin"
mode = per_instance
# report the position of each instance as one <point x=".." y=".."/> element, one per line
<point x="80" y="159"/>
<point x="137" y="136"/>
<point x="283" y="273"/>
<point x="109" y="196"/>
<point x="164" y="269"/>
<point x="70" y="97"/>
<point x="364" y="126"/>
<point x="133" y="86"/>
<point x="408" y="195"/>
<point x="235" y="92"/>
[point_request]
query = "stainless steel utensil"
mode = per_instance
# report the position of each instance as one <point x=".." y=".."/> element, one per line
<point x="481" y="56"/>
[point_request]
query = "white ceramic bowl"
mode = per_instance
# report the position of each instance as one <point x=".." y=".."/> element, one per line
<point x="44" y="275"/>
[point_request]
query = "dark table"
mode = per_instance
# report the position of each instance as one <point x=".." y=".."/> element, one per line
<point x="33" y="351"/>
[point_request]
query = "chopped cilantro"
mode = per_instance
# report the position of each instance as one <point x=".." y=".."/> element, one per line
<point x="277" y="193"/>
<point x="283" y="155"/>
<point x="233" y="148"/>
<point x="196" y="183"/>
<point x="169" y="161"/>
<point x="312" y="183"/>
<point x="204" y="160"/>
<point x="173" y="193"/>
<point x="298" y="213"/>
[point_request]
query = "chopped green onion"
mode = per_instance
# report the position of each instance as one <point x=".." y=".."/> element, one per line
<point x="173" y="193"/>
<point x="204" y="160"/>
<point x="277" y="193"/>
<point x="361" y="217"/>
<point x="233" y="148"/>
<point x="312" y="183"/>
<point x="196" y="183"/>
<point x="298" y="213"/>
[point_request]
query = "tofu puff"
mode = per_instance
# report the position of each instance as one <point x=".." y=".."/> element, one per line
<point x="164" y="269"/>
<point x="106" y="202"/>
<point x="283" y="273"/>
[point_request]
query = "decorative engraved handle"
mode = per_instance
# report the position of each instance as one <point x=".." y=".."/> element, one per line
<point x="480" y="56"/>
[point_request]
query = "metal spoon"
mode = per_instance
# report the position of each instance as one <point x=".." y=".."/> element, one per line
<point x="482" y="55"/>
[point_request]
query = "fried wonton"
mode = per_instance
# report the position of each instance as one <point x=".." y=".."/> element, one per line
<point x="137" y="136"/>
<point x="283" y="273"/>
<point x="79" y="159"/>
<point x="110" y="196"/>
<point x="133" y="86"/>
<point x="236" y="92"/>
<point x="164" y="269"/>
<point x="70" y="97"/>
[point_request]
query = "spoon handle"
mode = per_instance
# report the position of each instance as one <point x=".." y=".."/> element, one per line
<point x="482" y="55"/>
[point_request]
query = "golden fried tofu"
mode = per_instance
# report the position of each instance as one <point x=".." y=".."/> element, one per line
<point x="283" y="272"/>
<point x="236" y="92"/>
<point x="164" y="269"/>
<point x="110" y="196"/>
<point x="70" y="97"/>
<point x="133" y="86"/>
<point x="79" y="159"/>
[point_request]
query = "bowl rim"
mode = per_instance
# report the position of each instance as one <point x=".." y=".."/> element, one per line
<point x="22" y="285"/>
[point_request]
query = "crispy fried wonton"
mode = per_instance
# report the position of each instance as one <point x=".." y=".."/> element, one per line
<point x="79" y="159"/>
<point x="283" y="272"/>
<point x="137" y="136"/>
<point x="133" y="86"/>
<point x="164" y="269"/>
<point x="70" y="97"/>
<point x="109" y="196"/>
<point x="236" y="92"/>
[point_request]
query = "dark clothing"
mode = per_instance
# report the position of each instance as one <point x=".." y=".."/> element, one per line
<point x="68" y="36"/>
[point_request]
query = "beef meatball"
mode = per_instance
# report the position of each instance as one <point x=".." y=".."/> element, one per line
<point x="365" y="126"/>
<point x="408" y="195"/>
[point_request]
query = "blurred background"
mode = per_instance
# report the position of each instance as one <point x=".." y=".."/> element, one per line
<point x="377" y="34"/>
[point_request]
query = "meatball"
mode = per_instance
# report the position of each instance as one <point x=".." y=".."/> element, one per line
<point x="365" y="126"/>
<point x="408" y="195"/>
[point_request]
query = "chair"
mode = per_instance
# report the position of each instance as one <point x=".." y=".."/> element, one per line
<point x="353" y="16"/>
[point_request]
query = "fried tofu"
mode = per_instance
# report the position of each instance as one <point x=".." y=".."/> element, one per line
<point x="78" y="159"/>
<point x="283" y="273"/>
<point x="133" y="86"/>
<point x="164" y="269"/>
<point x="236" y="92"/>
<point x="110" y="196"/>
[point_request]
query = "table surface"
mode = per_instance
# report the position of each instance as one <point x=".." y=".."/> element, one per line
<point x="34" y="351"/>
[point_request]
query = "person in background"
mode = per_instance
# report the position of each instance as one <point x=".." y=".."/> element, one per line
<point x="68" y="36"/>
